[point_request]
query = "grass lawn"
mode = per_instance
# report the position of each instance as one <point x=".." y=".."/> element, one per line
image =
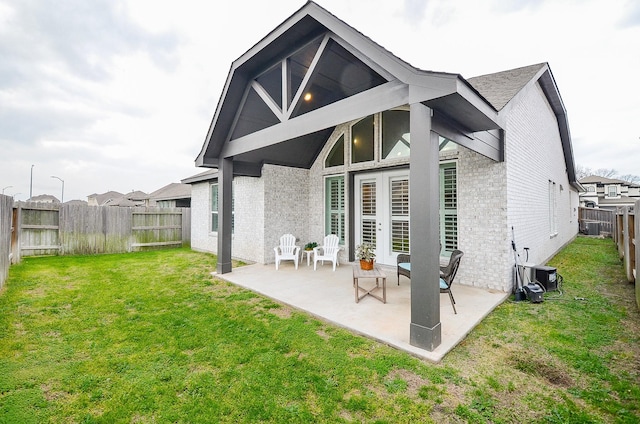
<point x="152" y="337"/>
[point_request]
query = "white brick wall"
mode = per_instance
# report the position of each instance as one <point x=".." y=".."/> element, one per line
<point x="534" y="156"/>
<point x="279" y="197"/>
<point x="482" y="216"/>
<point x="286" y="200"/>
<point x="201" y="237"/>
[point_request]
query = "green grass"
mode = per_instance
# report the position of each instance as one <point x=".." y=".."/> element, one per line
<point x="152" y="337"/>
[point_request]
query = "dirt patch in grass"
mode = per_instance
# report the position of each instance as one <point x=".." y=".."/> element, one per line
<point x="413" y="380"/>
<point x="323" y="334"/>
<point x="281" y="311"/>
<point x="549" y="369"/>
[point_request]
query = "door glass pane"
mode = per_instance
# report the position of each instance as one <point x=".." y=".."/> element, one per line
<point x="400" y="236"/>
<point x="400" y="197"/>
<point x="368" y="208"/>
<point x="395" y="134"/>
<point x="362" y="140"/>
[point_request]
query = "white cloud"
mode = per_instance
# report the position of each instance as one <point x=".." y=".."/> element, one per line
<point x="116" y="95"/>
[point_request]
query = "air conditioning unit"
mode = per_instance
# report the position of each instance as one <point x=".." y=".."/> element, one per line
<point x="547" y="277"/>
<point x="593" y="228"/>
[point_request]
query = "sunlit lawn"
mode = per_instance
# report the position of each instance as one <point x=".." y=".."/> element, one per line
<point x="152" y="337"/>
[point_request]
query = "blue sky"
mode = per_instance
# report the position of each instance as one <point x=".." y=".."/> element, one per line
<point x="118" y="95"/>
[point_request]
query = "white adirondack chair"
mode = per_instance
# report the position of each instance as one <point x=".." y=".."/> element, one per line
<point x="287" y="251"/>
<point x="330" y="248"/>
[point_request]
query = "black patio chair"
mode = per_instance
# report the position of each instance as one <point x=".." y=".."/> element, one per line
<point x="448" y="273"/>
<point x="403" y="269"/>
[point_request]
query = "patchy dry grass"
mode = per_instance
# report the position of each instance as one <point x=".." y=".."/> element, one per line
<point x="152" y="337"/>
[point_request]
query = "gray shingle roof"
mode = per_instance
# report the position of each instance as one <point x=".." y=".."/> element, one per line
<point x="209" y="174"/>
<point x="172" y="191"/>
<point x="596" y="179"/>
<point x="499" y="88"/>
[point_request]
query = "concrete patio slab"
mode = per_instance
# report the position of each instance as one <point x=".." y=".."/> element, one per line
<point x="329" y="295"/>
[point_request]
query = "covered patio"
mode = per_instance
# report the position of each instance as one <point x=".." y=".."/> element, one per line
<point x="329" y="296"/>
<point x="282" y="101"/>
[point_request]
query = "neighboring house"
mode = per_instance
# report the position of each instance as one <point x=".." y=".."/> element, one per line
<point x="174" y="195"/>
<point x="320" y="130"/>
<point x="44" y="198"/>
<point x="608" y="193"/>
<point x="113" y="198"/>
<point x="103" y="199"/>
<point x="137" y="197"/>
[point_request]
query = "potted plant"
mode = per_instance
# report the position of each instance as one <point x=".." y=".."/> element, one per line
<point x="365" y="253"/>
<point x="310" y="245"/>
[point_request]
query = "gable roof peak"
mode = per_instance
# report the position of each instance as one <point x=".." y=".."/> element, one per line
<point x="500" y="87"/>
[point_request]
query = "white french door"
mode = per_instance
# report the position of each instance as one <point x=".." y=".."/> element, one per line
<point x="382" y="213"/>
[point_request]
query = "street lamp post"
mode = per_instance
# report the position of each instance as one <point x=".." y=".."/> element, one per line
<point x="5" y="188"/>
<point x="61" y="180"/>
<point x="31" y="184"/>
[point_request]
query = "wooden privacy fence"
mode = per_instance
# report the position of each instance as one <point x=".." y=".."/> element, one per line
<point x="6" y="212"/>
<point x="605" y="218"/>
<point x="636" y="226"/>
<point x="626" y="241"/>
<point x="54" y="229"/>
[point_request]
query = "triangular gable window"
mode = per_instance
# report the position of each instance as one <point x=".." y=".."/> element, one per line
<point x="321" y="73"/>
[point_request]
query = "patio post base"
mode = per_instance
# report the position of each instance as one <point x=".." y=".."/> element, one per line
<point x="223" y="268"/>
<point x="425" y="337"/>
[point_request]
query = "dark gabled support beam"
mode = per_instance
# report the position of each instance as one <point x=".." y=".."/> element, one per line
<point x="489" y="143"/>
<point x="383" y="97"/>
<point x="247" y="169"/>
<point x="425" y="329"/>
<point x="225" y="178"/>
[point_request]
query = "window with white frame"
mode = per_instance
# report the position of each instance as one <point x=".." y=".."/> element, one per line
<point x="553" y="209"/>
<point x="214" y="209"/>
<point x="448" y="206"/>
<point x="334" y="207"/>
<point x="613" y="191"/>
<point x="396" y="139"/>
<point x="363" y="140"/>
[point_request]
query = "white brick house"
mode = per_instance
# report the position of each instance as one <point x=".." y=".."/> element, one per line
<point x="319" y="130"/>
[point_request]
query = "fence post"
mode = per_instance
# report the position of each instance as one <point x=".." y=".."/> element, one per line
<point x="637" y="231"/>
<point x="6" y="215"/>
<point x="626" y="244"/>
<point x="620" y="231"/>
